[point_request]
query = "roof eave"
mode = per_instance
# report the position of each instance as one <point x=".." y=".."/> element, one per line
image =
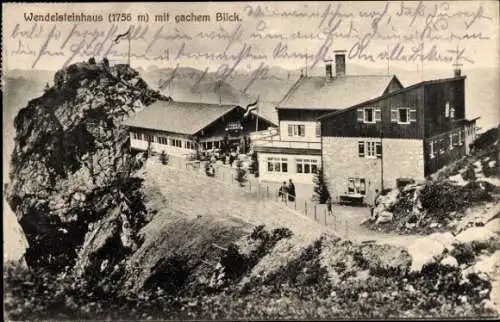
<point x="381" y="97"/>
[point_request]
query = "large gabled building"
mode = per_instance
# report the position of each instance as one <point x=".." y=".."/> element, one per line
<point x="408" y="133"/>
<point x="182" y="128"/>
<point x="295" y="151"/>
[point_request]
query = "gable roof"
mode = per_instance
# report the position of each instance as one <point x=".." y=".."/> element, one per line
<point x="314" y="92"/>
<point x="384" y="96"/>
<point x="178" y="117"/>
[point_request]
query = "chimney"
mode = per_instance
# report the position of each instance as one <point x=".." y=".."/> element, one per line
<point x="340" y="63"/>
<point x="328" y="69"/>
<point x="456" y="70"/>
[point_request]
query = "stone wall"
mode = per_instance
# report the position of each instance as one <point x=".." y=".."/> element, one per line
<point x="401" y="158"/>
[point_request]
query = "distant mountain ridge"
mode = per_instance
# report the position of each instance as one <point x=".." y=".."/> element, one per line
<point x="243" y="86"/>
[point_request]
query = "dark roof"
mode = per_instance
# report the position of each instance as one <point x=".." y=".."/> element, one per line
<point x="381" y="97"/>
<point x="314" y="92"/>
<point x="178" y="117"/>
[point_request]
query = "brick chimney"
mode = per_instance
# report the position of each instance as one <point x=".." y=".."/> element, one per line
<point x="457" y="71"/>
<point x="340" y="63"/>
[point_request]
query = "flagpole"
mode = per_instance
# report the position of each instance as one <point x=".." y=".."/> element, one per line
<point x="257" y="115"/>
<point x="129" y="40"/>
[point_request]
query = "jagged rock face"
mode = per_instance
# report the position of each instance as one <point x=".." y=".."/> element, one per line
<point x="71" y="157"/>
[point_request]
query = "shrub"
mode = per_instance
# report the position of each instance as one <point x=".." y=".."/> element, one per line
<point x="321" y="193"/>
<point x="469" y="174"/>
<point x="464" y="253"/>
<point x="241" y="174"/>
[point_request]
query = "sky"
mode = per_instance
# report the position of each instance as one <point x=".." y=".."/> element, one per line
<point x="410" y="33"/>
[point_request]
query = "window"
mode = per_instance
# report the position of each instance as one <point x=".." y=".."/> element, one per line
<point x="176" y="142"/>
<point x="356" y="186"/>
<point x="277" y="164"/>
<point x="431" y="149"/>
<point x="369" y="114"/>
<point x="441" y="146"/>
<point x="306" y="165"/>
<point x="369" y="117"/>
<point x="148" y="138"/>
<point x="361" y="149"/>
<point x="460" y="137"/>
<point x="296" y="130"/>
<point x="137" y="136"/>
<point x="318" y="129"/>
<point x="403" y="115"/>
<point x="454" y="139"/>
<point x="162" y="140"/>
<point x="189" y="145"/>
<point x="370" y="149"/>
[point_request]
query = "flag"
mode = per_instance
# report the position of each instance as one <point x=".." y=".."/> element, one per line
<point x="117" y="39"/>
<point x="250" y="107"/>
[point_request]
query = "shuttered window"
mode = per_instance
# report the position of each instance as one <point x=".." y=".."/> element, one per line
<point x="413" y="115"/>
<point x="378" y="115"/>
<point x="361" y="114"/>
<point x="370" y="149"/>
<point x="403" y="115"/>
<point x="394" y="115"/>
<point x="378" y="149"/>
<point x="318" y="129"/>
<point x="361" y="149"/>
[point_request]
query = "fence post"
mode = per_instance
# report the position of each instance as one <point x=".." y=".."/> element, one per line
<point x="249" y="185"/>
<point x="305" y="207"/>
<point x="315" y="213"/>
<point x="295" y="204"/>
<point x="325" y="216"/>
<point x="267" y="191"/>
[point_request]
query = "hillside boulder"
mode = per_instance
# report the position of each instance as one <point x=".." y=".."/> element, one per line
<point x="476" y="234"/>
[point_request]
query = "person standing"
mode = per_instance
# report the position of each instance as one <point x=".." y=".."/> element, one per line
<point x="291" y="190"/>
<point x="283" y="191"/>
<point x="375" y="202"/>
<point x="329" y="206"/>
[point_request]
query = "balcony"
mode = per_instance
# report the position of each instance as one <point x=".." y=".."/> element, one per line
<point x="275" y="143"/>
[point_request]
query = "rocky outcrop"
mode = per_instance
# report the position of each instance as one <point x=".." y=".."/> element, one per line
<point x="71" y="160"/>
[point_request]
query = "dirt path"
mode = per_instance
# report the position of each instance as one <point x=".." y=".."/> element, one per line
<point x="192" y="192"/>
<point x="198" y="195"/>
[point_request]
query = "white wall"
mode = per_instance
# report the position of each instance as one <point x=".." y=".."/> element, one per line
<point x="305" y="178"/>
<point x="157" y="147"/>
<point x="310" y="132"/>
